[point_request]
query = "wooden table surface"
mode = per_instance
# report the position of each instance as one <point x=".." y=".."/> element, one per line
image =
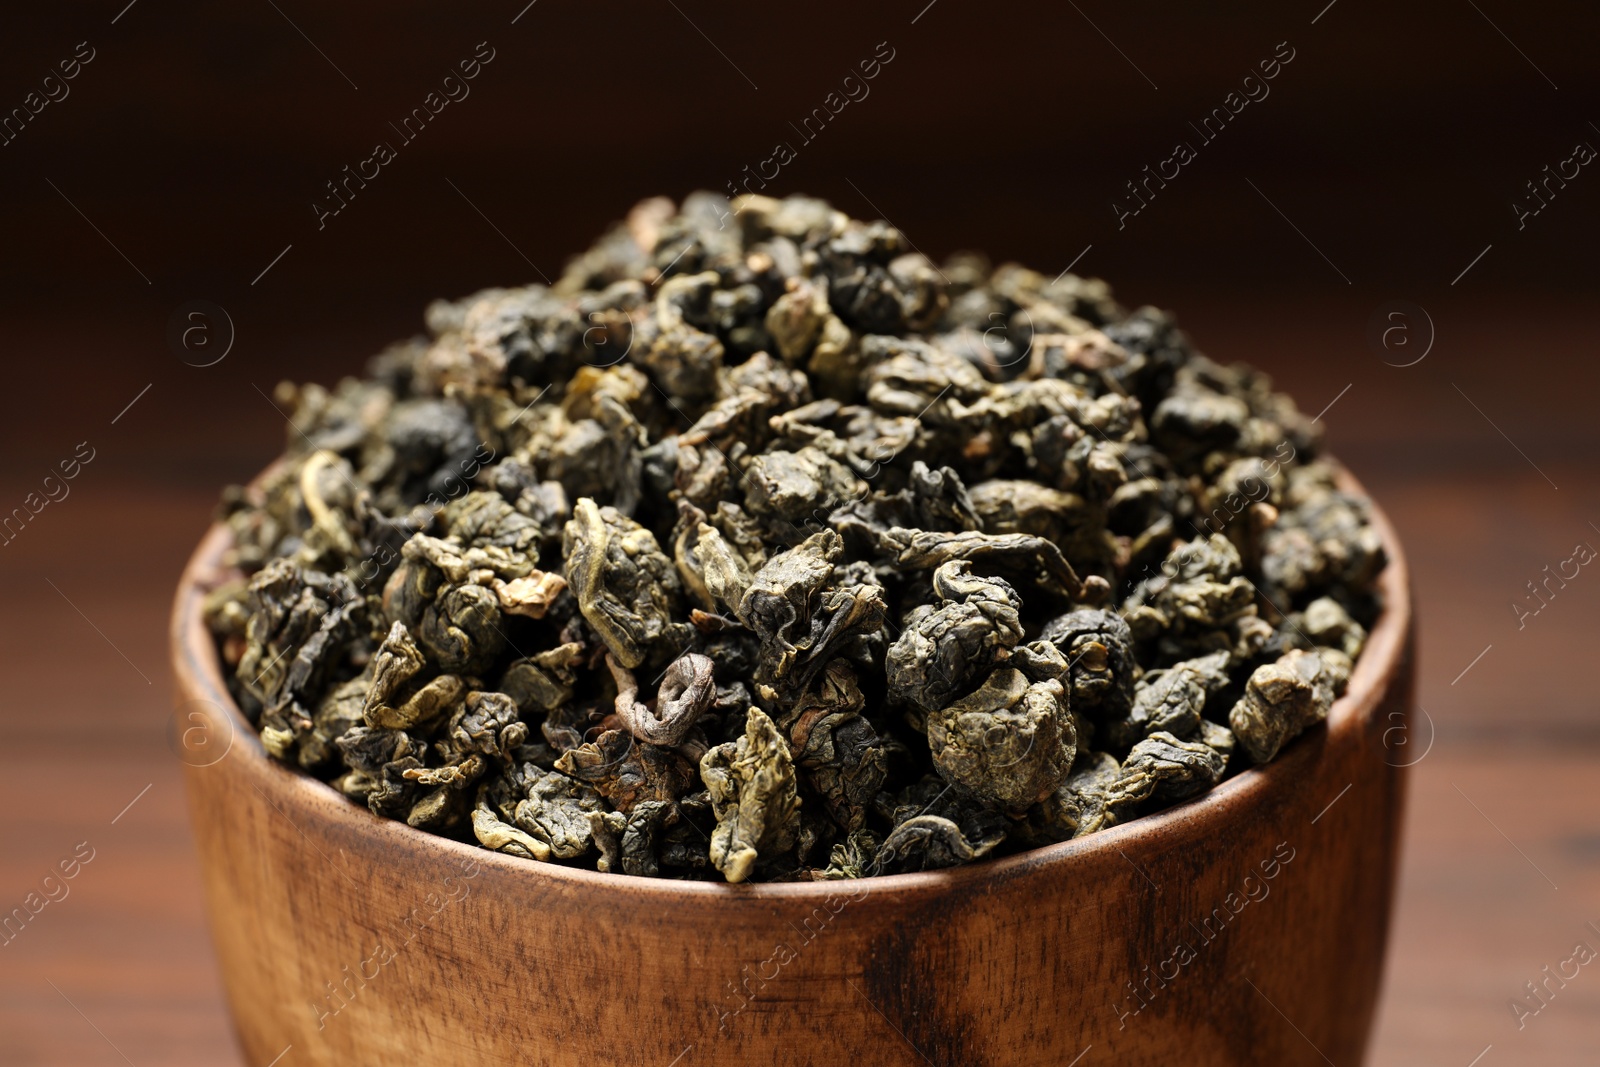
<point x="1488" y="476"/>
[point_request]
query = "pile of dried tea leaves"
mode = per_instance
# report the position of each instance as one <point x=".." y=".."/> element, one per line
<point x="759" y="547"/>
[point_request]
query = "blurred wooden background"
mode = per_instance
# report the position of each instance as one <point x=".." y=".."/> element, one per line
<point x="1386" y="158"/>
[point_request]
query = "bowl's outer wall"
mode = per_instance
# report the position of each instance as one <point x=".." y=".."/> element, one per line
<point x="354" y="940"/>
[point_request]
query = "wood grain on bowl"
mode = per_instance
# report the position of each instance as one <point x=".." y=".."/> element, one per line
<point x="1245" y="927"/>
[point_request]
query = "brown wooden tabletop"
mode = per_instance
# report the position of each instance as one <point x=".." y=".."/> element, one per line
<point x="1488" y="473"/>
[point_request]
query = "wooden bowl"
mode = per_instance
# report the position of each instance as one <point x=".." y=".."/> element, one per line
<point x="1245" y="927"/>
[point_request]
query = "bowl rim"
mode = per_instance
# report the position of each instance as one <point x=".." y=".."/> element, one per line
<point x="198" y="671"/>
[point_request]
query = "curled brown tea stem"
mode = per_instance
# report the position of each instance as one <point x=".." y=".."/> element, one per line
<point x="687" y="689"/>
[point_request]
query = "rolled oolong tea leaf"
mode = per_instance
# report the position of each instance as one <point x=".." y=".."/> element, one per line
<point x="771" y="551"/>
<point x="1218" y="737"/>
<point x="801" y="615"/>
<point x="1011" y="742"/>
<point x="1098" y="646"/>
<point x="378" y="761"/>
<point x="839" y="752"/>
<point x="1172" y="700"/>
<point x="339" y="712"/>
<point x="1206" y="590"/>
<point x="854" y="857"/>
<point x="625" y="586"/>
<point x="1032" y="557"/>
<point x="794" y="486"/>
<point x="607" y="828"/>
<point x="488" y="723"/>
<point x="752" y="787"/>
<point x="627" y="772"/>
<point x="556" y="811"/>
<point x="1326" y="622"/>
<point x="398" y="660"/>
<point x="301" y="621"/>
<point x="1281" y="700"/>
<point x="1095" y="795"/>
<point x="1179" y="769"/>
<point x="928" y="842"/>
<point x="943" y="649"/>
<point x="640" y="837"/>
<point x="545" y="681"/>
<point x="939" y="825"/>
<point x="498" y="836"/>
